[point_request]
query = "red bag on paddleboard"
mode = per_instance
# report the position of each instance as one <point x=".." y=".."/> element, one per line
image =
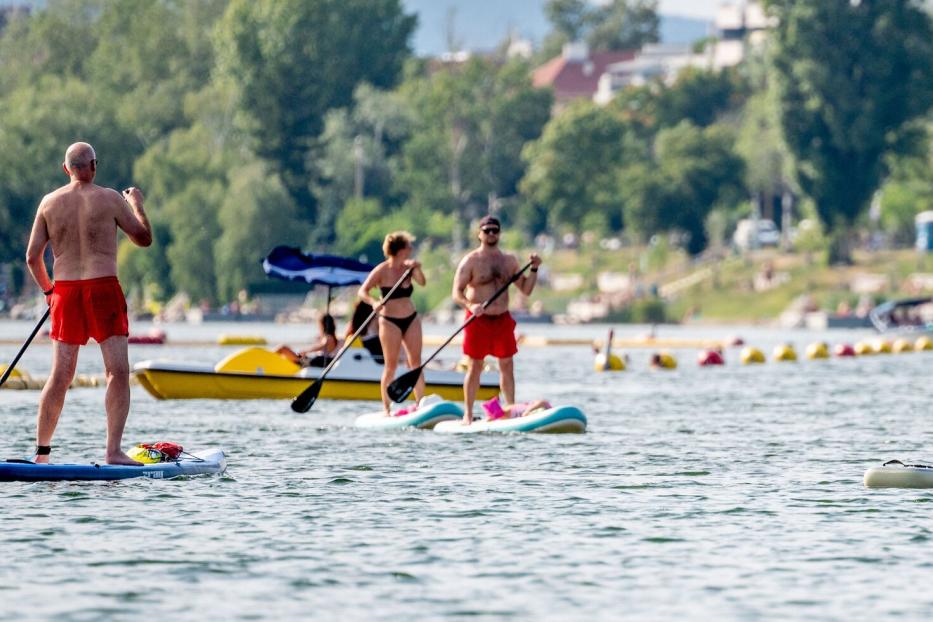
<point x="170" y="450"/>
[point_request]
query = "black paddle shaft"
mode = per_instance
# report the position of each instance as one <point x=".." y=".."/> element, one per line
<point x="402" y="386"/>
<point x="9" y="370"/>
<point x="306" y="399"/>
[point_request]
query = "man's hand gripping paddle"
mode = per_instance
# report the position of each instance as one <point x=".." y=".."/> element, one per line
<point x="303" y="402"/>
<point x="402" y="386"/>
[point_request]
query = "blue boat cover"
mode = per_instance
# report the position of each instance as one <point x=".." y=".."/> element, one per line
<point x="290" y="264"/>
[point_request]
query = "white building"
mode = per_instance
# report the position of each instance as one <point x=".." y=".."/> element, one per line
<point x="652" y="63"/>
<point x="738" y="27"/>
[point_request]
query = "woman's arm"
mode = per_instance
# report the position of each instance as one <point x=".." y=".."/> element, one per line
<point x="416" y="275"/>
<point x="371" y="281"/>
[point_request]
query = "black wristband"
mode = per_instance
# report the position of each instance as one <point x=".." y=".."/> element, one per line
<point x="534" y="269"/>
<point x="49" y="293"/>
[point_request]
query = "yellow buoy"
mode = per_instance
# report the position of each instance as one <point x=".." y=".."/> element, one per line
<point x="784" y="352"/>
<point x="818" y="350"/>
<point x="923" y="343"/>
<point x="863" y="349"/>
<point x="901" y="345"/>
<point x="615" y="363"/>
<point x="751" y="356"/>
<point x="663" y="360"/>
<point x="881" y="346"/>
<point x="16" y="373"/>
<point x="240" y="340"/>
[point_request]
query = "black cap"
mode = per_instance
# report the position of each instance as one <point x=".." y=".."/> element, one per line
<point x="489" y="220"/>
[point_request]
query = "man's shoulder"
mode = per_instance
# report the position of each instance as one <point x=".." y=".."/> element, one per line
<point x="108" y="193"/>
<point x="55" y="194"/>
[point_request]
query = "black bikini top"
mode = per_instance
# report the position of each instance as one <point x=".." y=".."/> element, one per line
<point x="401" y="292"/>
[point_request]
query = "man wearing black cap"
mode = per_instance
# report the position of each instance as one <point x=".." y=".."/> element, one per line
<point x="482" y="272"/>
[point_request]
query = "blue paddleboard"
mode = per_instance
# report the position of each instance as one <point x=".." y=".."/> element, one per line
<point x="202" y="463"/>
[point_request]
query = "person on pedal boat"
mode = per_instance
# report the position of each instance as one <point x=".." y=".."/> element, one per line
<point x="320" y="353"/>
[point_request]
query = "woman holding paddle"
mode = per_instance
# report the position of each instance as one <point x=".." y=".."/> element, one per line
<point x="399" y="324"/>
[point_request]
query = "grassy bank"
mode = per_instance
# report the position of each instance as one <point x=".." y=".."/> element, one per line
<point x="738" y="288"/>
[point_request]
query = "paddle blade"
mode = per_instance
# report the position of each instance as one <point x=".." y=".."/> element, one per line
<point x="303" y="402"/>
<point x="402" y="386"/>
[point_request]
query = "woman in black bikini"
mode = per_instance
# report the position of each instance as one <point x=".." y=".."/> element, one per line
<point x="399" y="324"/>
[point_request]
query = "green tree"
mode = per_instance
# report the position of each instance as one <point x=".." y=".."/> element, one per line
<point x="573" y="167"/>
<point x="612" y="25"/>
<point x="293" y="60"/>
<point x="39" y="122"/>
<point x="693" y="170"/>
<point x="58" y="41"/>
<point x="907" y="192"/>
<point x="853" y="76"/>
<point x="569" y="18"/>
<point x="257" y="214"/>
<point x="470" y="125"/>
<point x="624" y="25"/>
<point x="357" y="154"/>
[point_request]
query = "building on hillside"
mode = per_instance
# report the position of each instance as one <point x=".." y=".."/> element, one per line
<point x="738" y="27"/>
<point x="650" y="64"/>
<point x="575" y="73"/>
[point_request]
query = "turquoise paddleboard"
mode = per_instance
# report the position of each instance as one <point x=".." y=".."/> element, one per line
<point x="425" y="417"/>
<point x="201" y="463"/>
<point x="561" y="419"/>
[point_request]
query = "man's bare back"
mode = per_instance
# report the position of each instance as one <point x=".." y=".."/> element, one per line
<point x="81" y="221"/>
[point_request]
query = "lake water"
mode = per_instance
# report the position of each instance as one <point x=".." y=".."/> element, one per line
<point x="699" y="493"/>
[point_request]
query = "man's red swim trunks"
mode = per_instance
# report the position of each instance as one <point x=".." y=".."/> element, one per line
<point x="490" y="335"/>
<point x="88" y="308"/>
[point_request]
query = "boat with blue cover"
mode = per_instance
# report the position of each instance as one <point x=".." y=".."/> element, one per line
<point x="557" y="420"/>
<point x="210" y="462"/>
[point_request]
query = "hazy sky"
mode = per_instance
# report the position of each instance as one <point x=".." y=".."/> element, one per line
<point x="690" y="8"/>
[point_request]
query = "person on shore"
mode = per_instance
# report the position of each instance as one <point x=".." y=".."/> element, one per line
<point x="320" y="353"/>
<point x="80" y="221"/>
<point x="479" y="275"/>
<point x="399" y="324"/>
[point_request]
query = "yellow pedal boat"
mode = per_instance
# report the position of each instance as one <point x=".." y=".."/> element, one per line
<point x="257" y="373"/>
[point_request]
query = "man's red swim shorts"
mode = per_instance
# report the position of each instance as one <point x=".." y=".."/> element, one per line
<point x="88" y="308"/>
<point x="490" y="335"/>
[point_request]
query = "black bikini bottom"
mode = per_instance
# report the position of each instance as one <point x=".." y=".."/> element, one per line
<point x="402" y="322"/>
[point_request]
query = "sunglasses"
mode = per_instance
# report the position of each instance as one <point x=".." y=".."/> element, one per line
<point x="490" y="230"/>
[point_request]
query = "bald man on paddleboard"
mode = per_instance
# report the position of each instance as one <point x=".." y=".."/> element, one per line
<point x="80" y="222"/>
<point x="480" y="274"/>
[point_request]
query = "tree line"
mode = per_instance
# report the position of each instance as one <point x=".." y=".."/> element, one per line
<point x="253" y="123"/>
